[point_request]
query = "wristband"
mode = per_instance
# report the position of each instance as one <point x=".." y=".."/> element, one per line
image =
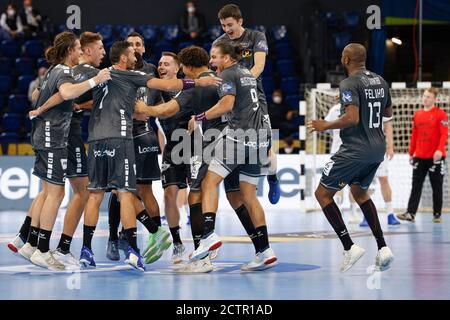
<point x="188" y="84"/>
<point x="200" y="117"/>
<point x="92" y="83"/>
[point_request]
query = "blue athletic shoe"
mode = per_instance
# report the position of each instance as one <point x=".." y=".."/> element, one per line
<point x="392" y="220"/>
<point x="274" y="191"/>
<point x="364" y="223"/>
<point x="87" y="258"/>
<point x="134" y="259"/>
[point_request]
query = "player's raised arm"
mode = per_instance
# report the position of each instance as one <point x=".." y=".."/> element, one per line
<point x="182" y="84"/>
<point x="71" y="91"/>
<point x="222" y="107"/>
<point x="164" y="110"/>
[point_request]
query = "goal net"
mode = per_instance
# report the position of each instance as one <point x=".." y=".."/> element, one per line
<point x="405" y="102"/>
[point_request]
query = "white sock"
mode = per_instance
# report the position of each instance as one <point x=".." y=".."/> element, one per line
<point x="273" y="165"/>
<point x="388" y="206"/>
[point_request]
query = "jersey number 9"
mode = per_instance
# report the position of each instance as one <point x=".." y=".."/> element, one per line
<point x="254" y="95"/>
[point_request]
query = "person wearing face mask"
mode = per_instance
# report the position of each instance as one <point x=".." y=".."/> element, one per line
<point x="192" y="24"/>
<point x="11" y="25"/>
<point x="281" y="115"/>
<point x="31" y="18"/>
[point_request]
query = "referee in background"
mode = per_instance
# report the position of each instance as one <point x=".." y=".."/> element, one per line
<point x="427" y="154"/>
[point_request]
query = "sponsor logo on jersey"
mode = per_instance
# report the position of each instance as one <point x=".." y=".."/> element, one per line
<point x="226" y="87"/>
<point x="143" y="150"/>
<point x="347" y="96"/>
<point x="103" y="153"/>
<point x="246" y="54"/>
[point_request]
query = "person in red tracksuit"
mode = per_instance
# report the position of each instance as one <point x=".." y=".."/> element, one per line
<point x="427" y="154"/>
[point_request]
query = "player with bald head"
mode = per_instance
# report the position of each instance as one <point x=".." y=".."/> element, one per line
<point x="365" y="107"/>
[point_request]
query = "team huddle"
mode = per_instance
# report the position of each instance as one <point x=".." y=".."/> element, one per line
<point x="219" y="113"/>
<point x="222" y="111"/>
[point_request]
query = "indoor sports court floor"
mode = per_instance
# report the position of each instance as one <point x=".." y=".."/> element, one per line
<point x="309" y="258"/>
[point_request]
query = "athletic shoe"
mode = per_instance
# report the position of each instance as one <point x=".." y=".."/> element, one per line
<point x="392" y="221"/>
<point x="66" y="259"/>
<point x="437" y="218"/>
<point x="212" y="242"/>
<point x="364" y="223"/>
<point x="199" y="266"/>
<point x="123" y="243"/>
<point x="157" y="243"/>
<point x="262" y="261"/>
<point x="112" y="251"/>
<point x="407" y="216"/>
<point x="87" y="258"/>
<point x="134" y="259"/>
<point x="153" y="258"/>
<point x="16" y="243"/>
<point x="351" y="256"/>
<point x="384" y="259"/>
<point x="274" y="191"/>
<point x="213" y="254"/>
<point x="27" y="251"/>
<point x="46" y="260"/>
<point x="177" y="253"/>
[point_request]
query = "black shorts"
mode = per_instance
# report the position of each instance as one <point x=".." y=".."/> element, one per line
<point x="340" y="171"/>
<point x="51" y="165"/>
<point x="198" y="173"/>
<point x="174" y="174"/>
<point x="111" y="165"/>
<point x="146" y="152"/>
<point x="76" y="156"/>
<point x="249" y="163"/>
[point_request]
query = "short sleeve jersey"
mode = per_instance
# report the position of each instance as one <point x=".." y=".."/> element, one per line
<point x="113" y="107"/>
<point x="51" y="129"/>
<point x="200" y="100"/>
<point x="253" y="41"/>
<point x="150" y="97"/>
<point x="246" y="113"/>
<point x="81" y="73"/>
<point x="369" y="92"/>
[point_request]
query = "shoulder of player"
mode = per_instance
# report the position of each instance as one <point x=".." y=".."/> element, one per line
<point x="348" y="82"/>
<point x="61" y="68"/>
<point x="129" y="72"/>
<point x="254" y="33"/>
<point x="220" y="38"/>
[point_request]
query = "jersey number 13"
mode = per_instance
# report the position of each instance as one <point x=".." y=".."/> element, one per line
<point x="375" y="118"/>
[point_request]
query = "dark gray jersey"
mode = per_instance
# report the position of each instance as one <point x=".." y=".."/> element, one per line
<point x="200" y="100"/>
<point x="81" y="73"/>
<point x="370" y="93"/>
<point x="113" y="108"/>
<point x="246" y="114"/>
<point x="253" y="41"/>
<point x="151" y="97"/>
<point x="51" y="129"/>
<point x="179" y="121"/>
